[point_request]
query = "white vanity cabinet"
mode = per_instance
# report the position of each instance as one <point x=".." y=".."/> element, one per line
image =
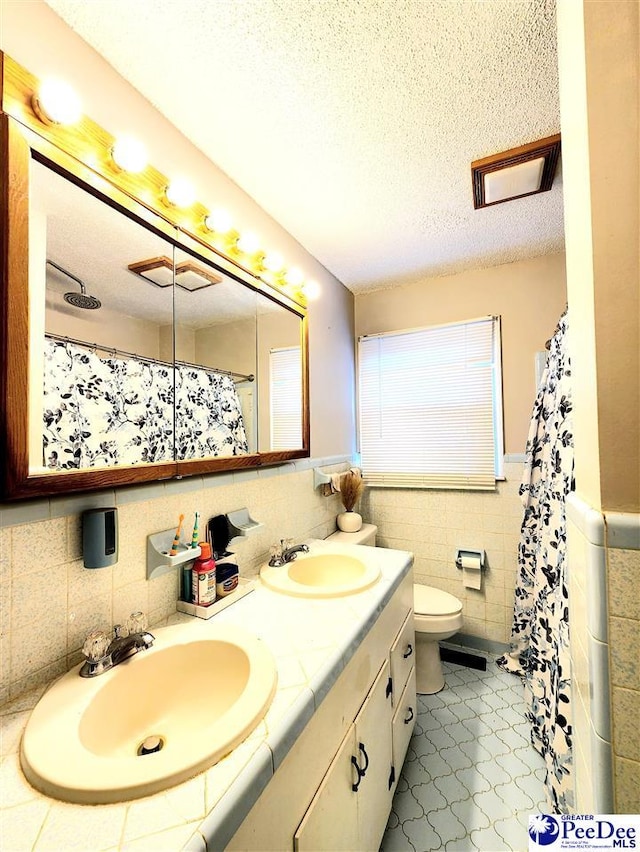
<point x="366" y="717"/>
<point x="351" y="807"/>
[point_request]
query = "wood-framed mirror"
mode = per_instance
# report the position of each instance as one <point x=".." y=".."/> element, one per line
<point x="132" y="350"/>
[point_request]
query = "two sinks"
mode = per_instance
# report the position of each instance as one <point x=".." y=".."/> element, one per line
<point x="193" y="695"/>
<point x="173" y="710"/>
<point x="322" y="575"/>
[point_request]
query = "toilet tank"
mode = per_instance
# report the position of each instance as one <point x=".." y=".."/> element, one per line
<point x="365" y="535"/>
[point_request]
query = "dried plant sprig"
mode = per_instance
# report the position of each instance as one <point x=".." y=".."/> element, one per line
<point x="351" y="488"/>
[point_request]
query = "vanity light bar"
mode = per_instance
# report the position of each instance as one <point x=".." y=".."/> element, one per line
<point x="54" y="103"/>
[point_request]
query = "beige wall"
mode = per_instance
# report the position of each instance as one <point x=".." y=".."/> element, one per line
<point x="599" y="89"/>
<point x="36" y="38"/>
<point x="529" y="296"/>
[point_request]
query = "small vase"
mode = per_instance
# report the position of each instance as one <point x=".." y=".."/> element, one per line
<point x="349" y="521"/>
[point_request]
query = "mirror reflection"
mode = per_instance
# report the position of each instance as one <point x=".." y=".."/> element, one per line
<point x="215" y="340"/>
<point x="103" y="346"/>
<point x="279" y="369"/>
<point x="145" y="352"/>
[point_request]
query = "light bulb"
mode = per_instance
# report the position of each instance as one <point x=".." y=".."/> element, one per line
<point x="273" y="261"/>
<point x="218" y="220"/>
<point x="294" y="277"/>
<point x="249" y="242"/>
<point x="180" y="193"/>
<point x="311" y="290"/>
<point x="55" y="102"/>
<point x="129" y="154"/>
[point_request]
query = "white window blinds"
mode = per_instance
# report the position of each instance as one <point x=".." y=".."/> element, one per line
<point x="430" y="406"/>
<point x="285" y="367"/>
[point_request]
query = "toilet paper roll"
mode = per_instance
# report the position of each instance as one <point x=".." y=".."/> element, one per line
<point x="471" y="572"/>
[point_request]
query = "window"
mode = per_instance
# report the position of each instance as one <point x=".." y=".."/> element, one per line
<point x="285" y="381"/>
<point x="430" y="406"/>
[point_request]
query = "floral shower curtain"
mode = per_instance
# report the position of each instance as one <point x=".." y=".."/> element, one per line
<point x="208" y="415"/>
<point x="106" y="411"/>
<point x="539" y="648"/>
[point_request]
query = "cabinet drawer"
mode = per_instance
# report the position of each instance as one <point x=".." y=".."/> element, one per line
<point x="403" y="654"/>
<point x="404" y="720"/>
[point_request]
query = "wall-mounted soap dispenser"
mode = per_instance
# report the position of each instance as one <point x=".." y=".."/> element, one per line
<point x="100" y="537"/>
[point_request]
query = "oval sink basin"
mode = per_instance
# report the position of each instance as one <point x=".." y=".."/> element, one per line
<point x="195" y="695"/>
<point x="321" y="575"/>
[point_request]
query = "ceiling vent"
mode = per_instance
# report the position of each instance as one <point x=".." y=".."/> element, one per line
<point x="516" y="173"/>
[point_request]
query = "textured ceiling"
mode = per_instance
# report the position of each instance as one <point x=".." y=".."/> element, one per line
<point x="354" y="122"/>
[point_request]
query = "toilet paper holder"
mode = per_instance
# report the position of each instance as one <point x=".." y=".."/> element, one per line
<point x="471" y="554"/>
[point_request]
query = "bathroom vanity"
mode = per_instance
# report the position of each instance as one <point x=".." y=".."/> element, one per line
<point x="339" y="777"/>
<point x="318" y="772"/>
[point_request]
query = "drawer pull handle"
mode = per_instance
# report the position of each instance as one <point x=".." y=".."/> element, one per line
<point x="361" y="771"/>
<point x="409" y="717"/>
<point x="409" y="651"/>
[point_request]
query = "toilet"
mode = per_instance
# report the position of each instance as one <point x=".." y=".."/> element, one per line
<point x="437" y="616"/>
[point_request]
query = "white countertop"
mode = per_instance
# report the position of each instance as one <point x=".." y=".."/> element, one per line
<point x="311" y="641"/>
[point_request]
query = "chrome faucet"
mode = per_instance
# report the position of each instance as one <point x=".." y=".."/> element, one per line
<point x="286" y="552"/>
<point x="103" y="652"/>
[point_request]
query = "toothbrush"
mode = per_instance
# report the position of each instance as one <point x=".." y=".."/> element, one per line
<point x="176" y="540"/>
<point x="196" y="531"/>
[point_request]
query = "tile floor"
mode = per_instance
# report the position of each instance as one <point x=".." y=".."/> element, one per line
<point x="471" y="777"/>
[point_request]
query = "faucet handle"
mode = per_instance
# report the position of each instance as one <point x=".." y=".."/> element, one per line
<point x="275" y="551"/>
<point x="95" y="645"/>
<point x="137" y="622"/>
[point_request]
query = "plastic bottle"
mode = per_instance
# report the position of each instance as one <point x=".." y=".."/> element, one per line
<point x="203" y="577"/>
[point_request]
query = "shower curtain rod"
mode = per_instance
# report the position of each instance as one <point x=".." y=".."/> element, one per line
<point x="243" y="377"/>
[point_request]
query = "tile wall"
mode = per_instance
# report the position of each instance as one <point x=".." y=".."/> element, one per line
<point x="624" y="626"/>
<point x="586" y="560"/>
<point x="604" y="581"/>
<point x="433" y="524"/>
<point x="49" y="601"/>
